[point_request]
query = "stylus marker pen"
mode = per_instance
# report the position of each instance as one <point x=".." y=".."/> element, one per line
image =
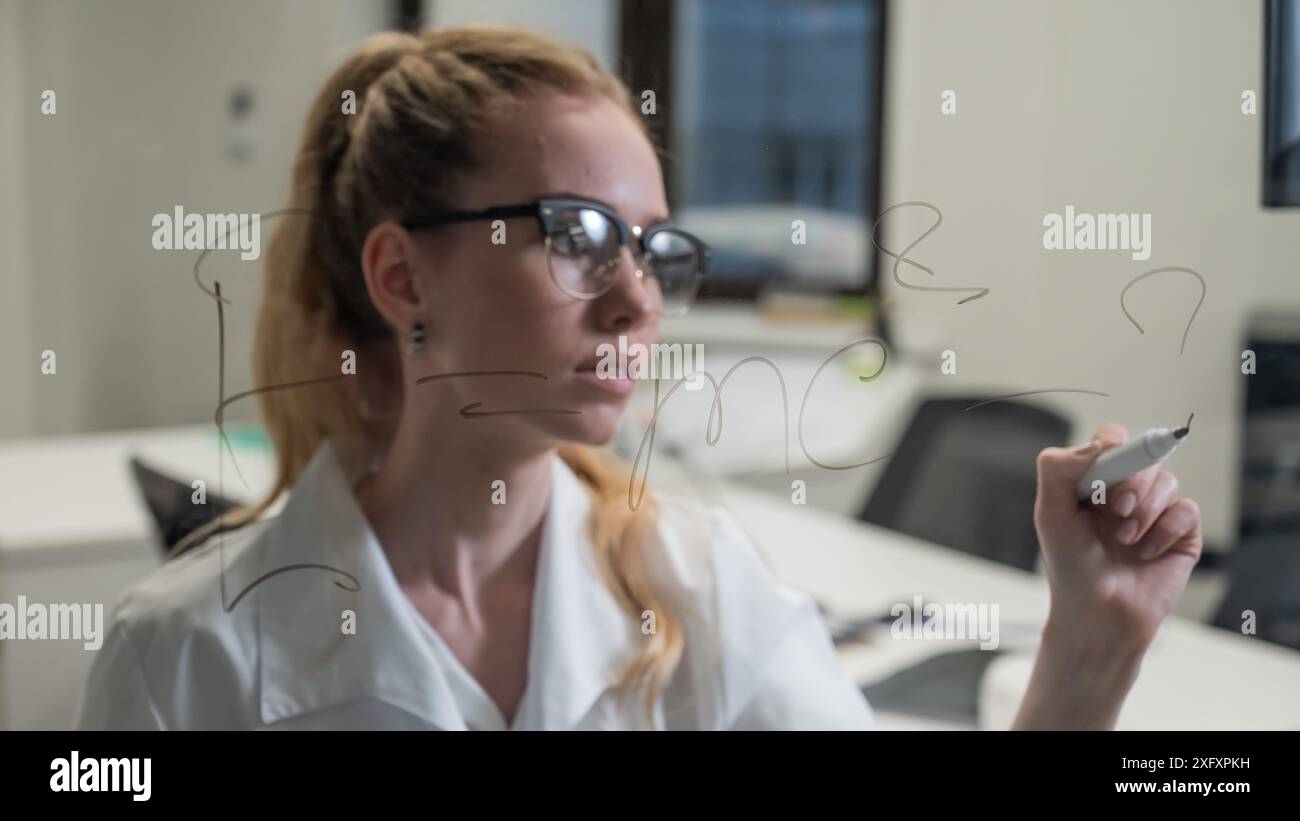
<point x="1117" y="464"/>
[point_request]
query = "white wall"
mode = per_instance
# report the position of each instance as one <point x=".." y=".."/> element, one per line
<point x="140" y="127"/>
<point x="1109" y="106"/>
<point x="16" y="362"/>
<point x="142" y="92"/>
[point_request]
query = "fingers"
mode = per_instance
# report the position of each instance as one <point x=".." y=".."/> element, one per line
<point x="1178" y="527"/>
<point x="1123" y="498"/>
<point x="1163" y="492"/>
<point x="1111" y="434"/>
<point x="1126" y="499"/>
<point x="1059" y="469"/>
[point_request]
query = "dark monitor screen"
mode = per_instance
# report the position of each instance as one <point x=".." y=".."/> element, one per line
<point x="1281" y="103"/>
<point x="1270" y="469"/>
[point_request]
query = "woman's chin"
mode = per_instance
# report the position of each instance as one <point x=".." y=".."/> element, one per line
<point x="596" y="425"/>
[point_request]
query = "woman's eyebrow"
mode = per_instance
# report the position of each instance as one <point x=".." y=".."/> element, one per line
<point x="571" y="195"/>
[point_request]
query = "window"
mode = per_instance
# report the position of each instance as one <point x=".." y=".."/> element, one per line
<point x="772" y="134"/>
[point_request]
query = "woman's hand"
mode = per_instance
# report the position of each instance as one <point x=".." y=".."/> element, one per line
<point x="1116" y="571"/>
<point x="1118" y="566"/>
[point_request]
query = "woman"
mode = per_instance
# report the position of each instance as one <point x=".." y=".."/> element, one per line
<point x="491" y="213"/>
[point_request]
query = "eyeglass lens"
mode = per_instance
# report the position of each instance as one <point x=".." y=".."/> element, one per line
<point x="585" y="252"/>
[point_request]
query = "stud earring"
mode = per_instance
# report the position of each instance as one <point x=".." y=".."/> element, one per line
<point x="417" y="338"/>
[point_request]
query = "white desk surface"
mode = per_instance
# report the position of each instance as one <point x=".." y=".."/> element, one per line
<point x="1194" y="676"/>
<point x="78" y="490"/>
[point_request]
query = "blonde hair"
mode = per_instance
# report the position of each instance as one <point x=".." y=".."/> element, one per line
<point x="422" y="113"/>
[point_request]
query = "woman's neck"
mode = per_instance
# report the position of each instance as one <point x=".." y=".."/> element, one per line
<point x="453" y="505"/>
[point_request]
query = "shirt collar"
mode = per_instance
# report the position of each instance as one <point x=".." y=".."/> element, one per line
<point x="581" y="638"/>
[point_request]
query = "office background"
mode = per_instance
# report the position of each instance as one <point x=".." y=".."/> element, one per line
<point x="1107" y="106"/>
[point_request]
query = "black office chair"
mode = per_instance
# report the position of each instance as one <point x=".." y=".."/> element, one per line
<point x="967" y="478"/>
<point x="170" y="501"/>
<point x="1264" y="578"/>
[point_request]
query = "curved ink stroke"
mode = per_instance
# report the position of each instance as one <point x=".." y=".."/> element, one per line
<point x="715" y="407"/>
<point x="223" y="402"/>
<point x="715" y="410"/>
<point x="1153" y="272"/>
<point x="215" y="293"/>
<point x="356" y="585"/>
<point x="469" y="412"/>
<point x="901" y="257"/>
<point x="219" y="414"/>
<point x="1032" y="393"/>
<point x="454" y="374"/>
<point x="650" y="434"/>
<point x="884" y="358"/>
<point x="219" y="418"/>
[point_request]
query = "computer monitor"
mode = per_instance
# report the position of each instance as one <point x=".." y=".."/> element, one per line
<point x="1270" y="469"/>
<point x="1281" y="103"/>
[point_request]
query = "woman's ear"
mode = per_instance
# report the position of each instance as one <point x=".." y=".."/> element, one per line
<point x="389" y="259"/>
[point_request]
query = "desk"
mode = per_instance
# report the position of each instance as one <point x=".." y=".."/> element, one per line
<point x="73" y="529"/>
<point x="1194" y="677"/>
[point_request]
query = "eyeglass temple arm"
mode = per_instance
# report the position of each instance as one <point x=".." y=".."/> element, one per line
<point x="445" y="217"/>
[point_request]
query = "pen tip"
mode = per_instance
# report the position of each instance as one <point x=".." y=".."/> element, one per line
<point x="1181" y="432"/>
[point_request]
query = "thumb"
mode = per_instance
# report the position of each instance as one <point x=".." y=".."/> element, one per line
<point x="1059" y="470"/>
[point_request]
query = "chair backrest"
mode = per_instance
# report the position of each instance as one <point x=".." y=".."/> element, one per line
<point x="967" y="479"/>
<point x="171" y="502"/>
<point x="1263" y="592"/>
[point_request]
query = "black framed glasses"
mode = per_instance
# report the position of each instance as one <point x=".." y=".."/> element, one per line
<point x="584" y="242"/>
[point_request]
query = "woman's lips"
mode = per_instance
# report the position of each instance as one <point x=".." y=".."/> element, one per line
<point x="619" y="387"/>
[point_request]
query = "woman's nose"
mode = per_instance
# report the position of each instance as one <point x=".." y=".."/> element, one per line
<point x="632" y="299"/>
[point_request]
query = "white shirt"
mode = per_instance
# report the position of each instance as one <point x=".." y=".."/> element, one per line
<point x="757" y="656"/>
